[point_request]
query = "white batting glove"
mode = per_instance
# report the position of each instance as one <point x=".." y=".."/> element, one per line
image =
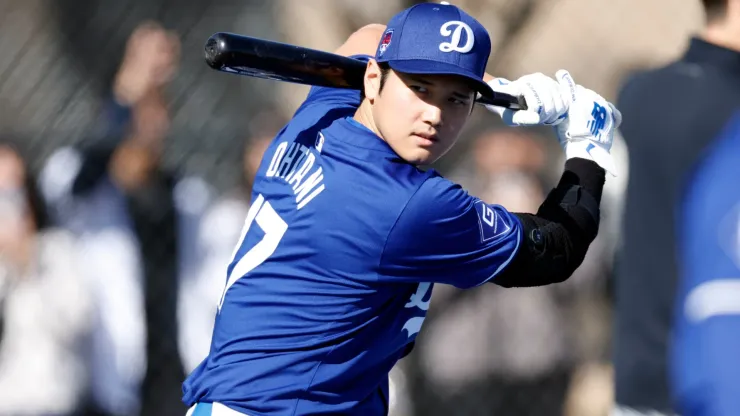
<point x="588" y="130"/>
<point x="546" y="103"/>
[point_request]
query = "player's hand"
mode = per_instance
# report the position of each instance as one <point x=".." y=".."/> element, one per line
<point x="543" y="95"/>
<point x="588" y="130"/>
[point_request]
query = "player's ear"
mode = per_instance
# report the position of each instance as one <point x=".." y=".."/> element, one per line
<point x="372" y="80"/>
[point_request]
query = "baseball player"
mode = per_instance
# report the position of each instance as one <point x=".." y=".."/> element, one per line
<point x="347" y="235"/>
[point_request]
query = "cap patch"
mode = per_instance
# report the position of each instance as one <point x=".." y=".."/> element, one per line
<point x="385" y="42"/>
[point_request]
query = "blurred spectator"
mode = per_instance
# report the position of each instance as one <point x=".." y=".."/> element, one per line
<point x="142" y="239"/>
<point x="672" y="115"/>
<point x="44" y="304"/>
<point x="494" y="350"/>
<point x="501" y="154"/>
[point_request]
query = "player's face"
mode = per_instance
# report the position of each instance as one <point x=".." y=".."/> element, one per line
<point x="420" y="116"/>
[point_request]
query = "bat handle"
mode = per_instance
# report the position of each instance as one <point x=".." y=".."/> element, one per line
<point x="504" y="100"/>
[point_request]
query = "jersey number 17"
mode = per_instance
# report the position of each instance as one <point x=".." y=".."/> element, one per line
<point x="274" y="228"/>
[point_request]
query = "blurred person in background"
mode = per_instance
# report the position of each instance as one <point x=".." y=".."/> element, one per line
<point x="44" y="302"/>
<point x="673" y="115"/>
<point x="483" y="350"/>
<point x="496" y="155"/>
<point x="705" y="362"/>
<point x="142" y="237"/>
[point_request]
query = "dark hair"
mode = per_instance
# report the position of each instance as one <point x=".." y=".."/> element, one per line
<point x="384" y="70"/>
<point x="35" y="201"/>
<point x="714" y="9"/>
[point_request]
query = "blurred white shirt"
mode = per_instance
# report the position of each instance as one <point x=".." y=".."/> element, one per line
<point x="208" y="231"/>
<point x="46" y="313"/>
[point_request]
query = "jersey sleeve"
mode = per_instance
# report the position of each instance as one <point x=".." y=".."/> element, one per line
<point x="444" y="235"/>
<point x="706" y="344"/>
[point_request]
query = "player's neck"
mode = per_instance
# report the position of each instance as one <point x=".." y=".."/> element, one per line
<point x="725" y="33"/>
<point x="364" y="116"/>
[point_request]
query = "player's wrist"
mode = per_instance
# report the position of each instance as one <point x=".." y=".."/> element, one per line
<point x="591" y="151"/>
<point x="577" y="150"/>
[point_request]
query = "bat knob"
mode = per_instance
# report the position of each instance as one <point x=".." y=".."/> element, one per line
<point x="213" y="51"/>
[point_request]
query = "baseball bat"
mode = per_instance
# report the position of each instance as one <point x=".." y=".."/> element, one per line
<point x="260" y="58"/>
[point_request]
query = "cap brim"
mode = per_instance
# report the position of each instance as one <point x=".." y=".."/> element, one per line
<point x="429" y="67"/>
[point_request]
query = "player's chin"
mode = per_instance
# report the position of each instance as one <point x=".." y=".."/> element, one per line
<point x="422" y="156"/>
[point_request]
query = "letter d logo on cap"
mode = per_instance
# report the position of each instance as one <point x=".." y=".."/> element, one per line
<point x="454" y="43"/>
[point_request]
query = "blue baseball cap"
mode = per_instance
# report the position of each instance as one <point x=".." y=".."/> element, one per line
<point x="438" y="39"/>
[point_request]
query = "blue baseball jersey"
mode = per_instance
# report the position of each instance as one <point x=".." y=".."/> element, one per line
<point x="706" y="344"/>
<point x="332" y="278"/>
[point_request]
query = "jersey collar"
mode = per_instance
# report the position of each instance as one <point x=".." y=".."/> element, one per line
<point x="701" y="51"/>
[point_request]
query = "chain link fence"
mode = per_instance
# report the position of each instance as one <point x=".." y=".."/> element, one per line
<point x="60" y="57"/>
<point x="485" y="351"/>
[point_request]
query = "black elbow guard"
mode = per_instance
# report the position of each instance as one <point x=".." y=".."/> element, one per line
<point x="555" y="241"/>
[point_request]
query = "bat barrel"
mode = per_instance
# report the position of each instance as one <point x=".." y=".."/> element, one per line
<point x="244" y="55"/>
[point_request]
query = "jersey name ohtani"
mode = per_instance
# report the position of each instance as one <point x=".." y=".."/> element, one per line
<point x="294" y="163"/>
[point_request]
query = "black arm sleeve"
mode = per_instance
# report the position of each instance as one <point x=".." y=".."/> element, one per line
<point x="556" y="239"/>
